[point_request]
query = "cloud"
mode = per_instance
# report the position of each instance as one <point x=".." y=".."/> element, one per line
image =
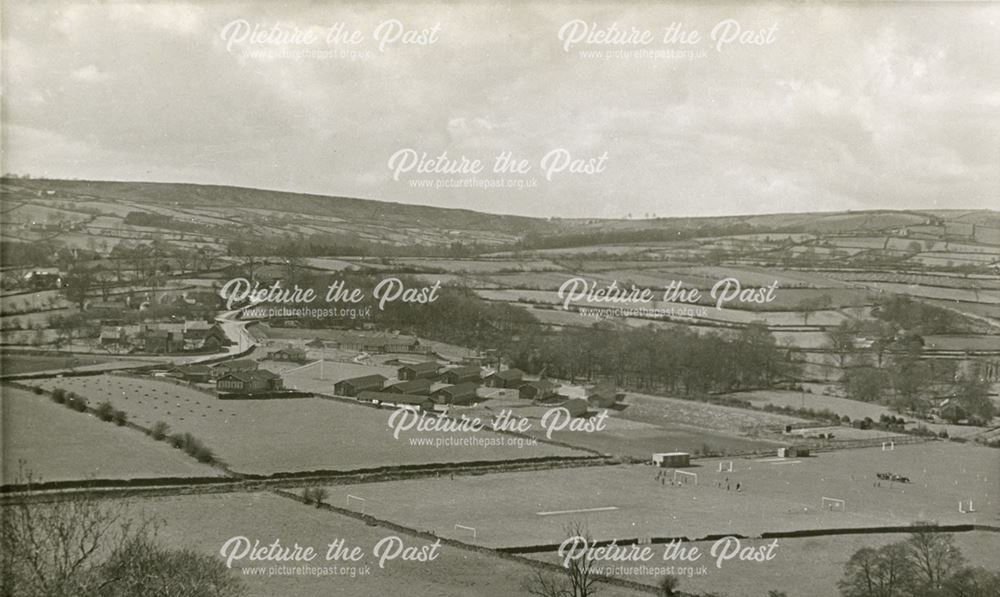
<point x="851" y="106"/>
<point x="89" y="74"/>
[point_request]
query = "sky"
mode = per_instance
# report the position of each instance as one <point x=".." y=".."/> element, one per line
<point x="605" y="109"/>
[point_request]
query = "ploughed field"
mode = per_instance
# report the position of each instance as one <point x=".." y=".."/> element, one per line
<point x="287" y="435"/>
<point x="632" y="501"/>
<point x="59" y="444"/>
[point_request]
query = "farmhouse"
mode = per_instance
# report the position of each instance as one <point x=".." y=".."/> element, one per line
<point x="425" y="370"/>
<point x="196" y="330"/>
<point x="461" y="394"/>
<point x="113" y="335"/>
<point x="163" y="341"/>
<point x="237" y="366"/>
<point x="355" y="385"/>
<point x="249" y="382"/>
<point x="194" y="373"/>
<point x="462" y="375"/>
<point x="537" y="390"/>
<point x="508" y="378"/>
<point x="397" y="400"/>
<point x="289" y="353"/>
<point x="414" y="386"/>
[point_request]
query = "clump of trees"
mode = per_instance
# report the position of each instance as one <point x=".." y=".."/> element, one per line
<point x="81" y="546"/>
<point x="315" y="495"/>
<point x="927" y="564"/>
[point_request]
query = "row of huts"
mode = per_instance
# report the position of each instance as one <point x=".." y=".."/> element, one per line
<point x="460" y="387"/>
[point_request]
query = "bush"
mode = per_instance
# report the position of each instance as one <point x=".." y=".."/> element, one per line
<point x="59" y="396"/>
<point x="314" y="495"/>
<point x="105" y="411"/>
<point x="119" y="417"/>
<point x="320" y="494"/>
<point x="177" y="440"/>
<point x="204" y="454"/>
<point x="77" y="403"/>
<point x="159" y="430"/>
<point x="37" y="390"/>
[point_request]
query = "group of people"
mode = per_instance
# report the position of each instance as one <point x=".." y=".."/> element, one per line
<point x="891" y="477"/>
<point x="664" y="478"/>
<point x="729" y="485"/>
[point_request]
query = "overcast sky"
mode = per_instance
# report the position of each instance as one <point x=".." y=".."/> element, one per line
<point x="838" y="107"/>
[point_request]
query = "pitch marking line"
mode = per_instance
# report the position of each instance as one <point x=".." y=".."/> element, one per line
<point x="578" y="511"/>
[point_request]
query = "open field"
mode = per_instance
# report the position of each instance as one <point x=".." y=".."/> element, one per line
<point x="814" y="562"/>
<point x="778" y="495"/>
<point x="59" y="444"/>
<point x="284" y="435"/>
<point x="205" y="523"/>
<point x="628" y="501"/>
<point x="660" y="409"/>
<point x="12" y="363"/>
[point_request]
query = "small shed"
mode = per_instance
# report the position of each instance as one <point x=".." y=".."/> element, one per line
<point x="415" y="386"/>
<point x="793" y="452"/>
<point x="425" y="370"/>
<point x="459" y="375"/>
<point x="460" y="394"/>
<point x="508" y="378"/>
<point x="672" y="459"/>
<point x="353" y="386"/>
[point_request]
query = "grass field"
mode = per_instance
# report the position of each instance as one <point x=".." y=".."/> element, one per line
<point x="13" y="363"/>
<point x="205" y="523"/>
<point x="529" y="508"/>
<point x="814" y="562"/>
<point x="59" y="444"/>
<point x="268" y="436"/>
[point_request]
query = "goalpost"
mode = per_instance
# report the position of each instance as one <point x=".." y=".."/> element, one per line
<point x="834" y="504"/>
<point x="726" y="466"/>
<point x="359" y="499"/>
<point x="462" y="527"/>
<point x="888" y="446"/>
<point x="965" y="506"/>
<point x="687" y="477"/>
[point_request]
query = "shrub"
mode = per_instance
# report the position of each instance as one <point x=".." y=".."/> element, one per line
<point x="59" y="395"/>
<point x="319" y="495"/>
<point x="37" y="390"/>
<point x="105" y="411"/>
<point x="204" y="454"/>
<point x="119" y="417"/>
<point x="159" y="430"/>
<point x="314" y="495"/>
<point x="177" y="440"/>
<point x="77" y="403"/>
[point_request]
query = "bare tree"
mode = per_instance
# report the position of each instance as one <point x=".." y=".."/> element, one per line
<point x="79" y="545"/>
<point x="579" y="579"/>
<point x="934" y="555"/>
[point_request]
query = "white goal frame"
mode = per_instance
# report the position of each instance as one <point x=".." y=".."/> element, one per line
<point x="963" y="509"/>
<point x="363" y="501"/>
<point x="687" y="474"/>
<point x="726" y="466"/>
<point x="467" y="528"/>
<point x="888" y="446"/>
<point x="833" y="502"/>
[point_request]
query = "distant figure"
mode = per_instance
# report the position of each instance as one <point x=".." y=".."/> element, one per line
<point x="738" y="487"/>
